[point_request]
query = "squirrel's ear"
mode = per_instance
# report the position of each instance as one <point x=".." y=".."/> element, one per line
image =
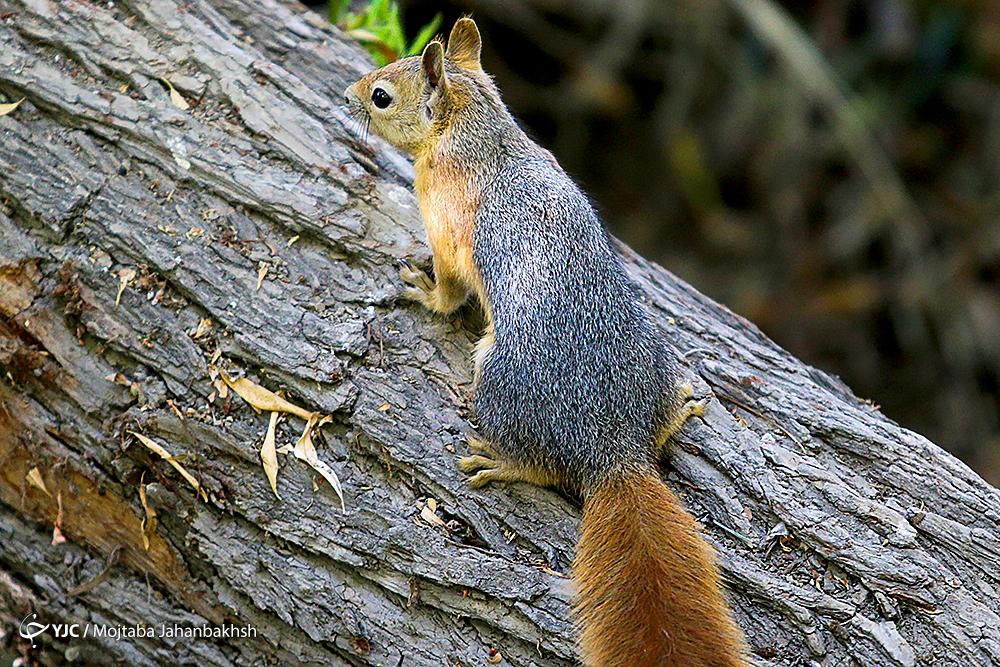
<point x="465" y="44"/>
<point x="433" y="64"/>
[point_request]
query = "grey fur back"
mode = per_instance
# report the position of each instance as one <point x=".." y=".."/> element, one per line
<point x="578" y="381"/>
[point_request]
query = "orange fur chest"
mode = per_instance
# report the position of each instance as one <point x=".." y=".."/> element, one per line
<point x="448" y="205"/>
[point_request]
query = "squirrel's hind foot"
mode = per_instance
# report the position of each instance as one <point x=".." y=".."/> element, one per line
<point x="493" y="468"/>
<point x="690" y="408"/>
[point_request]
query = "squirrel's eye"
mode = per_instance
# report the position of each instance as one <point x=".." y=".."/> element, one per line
<point x="380" y="98"/>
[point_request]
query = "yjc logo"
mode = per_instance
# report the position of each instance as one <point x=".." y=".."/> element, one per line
<point x="29" y="629"/>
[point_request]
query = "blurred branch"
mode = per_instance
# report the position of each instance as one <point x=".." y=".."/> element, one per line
<point x="803" y="60"/>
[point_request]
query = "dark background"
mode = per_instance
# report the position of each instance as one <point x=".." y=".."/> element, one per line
<point x="828" y="169"/>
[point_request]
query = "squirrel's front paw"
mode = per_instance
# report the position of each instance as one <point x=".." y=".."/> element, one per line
<point x="418" y="278"/>
<point x="419" y="284"/>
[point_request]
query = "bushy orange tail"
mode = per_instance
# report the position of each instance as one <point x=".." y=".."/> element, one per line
<point x="647" y="583"/>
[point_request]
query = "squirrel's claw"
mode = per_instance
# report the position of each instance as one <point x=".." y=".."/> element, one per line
<point x="686" y="391"/>
<point x="487" y="470"/>
<point x="484" y="477"/>
<point x="475" y="463"/>
<point x="415" y="277"/>
<point x="443" y="296"/>
<point x="691" y="407"/>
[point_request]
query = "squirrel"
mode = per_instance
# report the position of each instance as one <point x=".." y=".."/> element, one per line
<point x="573" y="386"/>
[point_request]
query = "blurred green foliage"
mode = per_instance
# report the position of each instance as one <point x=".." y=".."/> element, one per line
<point x="379" y="26"/>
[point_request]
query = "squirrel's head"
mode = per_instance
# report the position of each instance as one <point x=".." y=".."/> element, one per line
<point x="411" y="101"/>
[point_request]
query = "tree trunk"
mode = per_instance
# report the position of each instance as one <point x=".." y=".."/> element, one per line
<point x="139" y="240"/>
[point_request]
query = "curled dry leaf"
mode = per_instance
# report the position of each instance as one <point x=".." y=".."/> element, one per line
<point x="265" y="400"/>
<point x="177" y="410"/>
<point x="57" y="534"/>
<point x="125" y="276"/>
<point x="148" y="523"/>
<point x="176" y="98"/>
<point x="204" y="326"/>
<point x="269" y="456"/>
<point x="94" y="582"/>
<point x="118" y="378"/>
<point x="8" y="108"/>
<point x="34" y="478"/>
<point x="306" y="451"/>
<point x="169" y="458"/>
<point x="261" y="273"/>
<point x="292" y="241"/>
<point x="262" y="399"/>
<point x="428" y="514"/>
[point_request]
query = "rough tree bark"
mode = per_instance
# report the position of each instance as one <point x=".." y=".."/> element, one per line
<point x="845" y="539"/>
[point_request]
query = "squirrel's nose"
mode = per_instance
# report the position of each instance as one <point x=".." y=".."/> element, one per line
<point x="349" y="94"/>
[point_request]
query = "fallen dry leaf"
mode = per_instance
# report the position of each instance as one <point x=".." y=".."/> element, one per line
<point x="117" y="378"/>
<point x="125" y="276"/>
<point x="306" y="451"/>
<point x="8" y="108"/>
<point x="204" y="326"/>
<point x="269" y="456"/>
<point x="176" y="98"/>
<point x="169" y="458"/>
<point x="177" y="410"/>
<point x="554" y="573"/>
<point x="428" y="515"/>
<point x="148" y="523"/>
<point x="34" y="478"/>
<point x="57" y="534"/>
<point x="92" y="583"/>
<point x="221" y="387"/>
<point x="261" y="272"/>
<point x="265" y="400"/>
<point x="262" y="399"/>
<point x="292" y="241"/>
